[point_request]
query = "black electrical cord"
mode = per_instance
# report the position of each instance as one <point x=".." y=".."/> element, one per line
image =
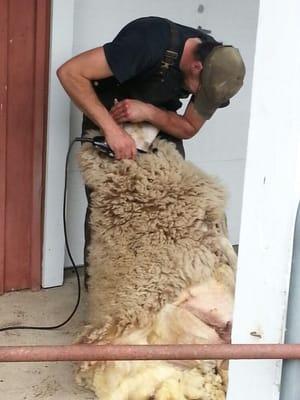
<point x="101" y="145"/>
<point x="9" y="328"/>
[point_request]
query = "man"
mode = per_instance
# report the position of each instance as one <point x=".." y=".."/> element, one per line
<point x="147" y="68"/>
<point x="141" y="76"/>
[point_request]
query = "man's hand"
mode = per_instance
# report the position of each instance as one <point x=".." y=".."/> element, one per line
<point x="182" y="127"/>
<point x="130" y="110"/>
<point x="121" y="143"/>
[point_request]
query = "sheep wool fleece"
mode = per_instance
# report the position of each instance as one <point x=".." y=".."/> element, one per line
<point x="156" y="231"/>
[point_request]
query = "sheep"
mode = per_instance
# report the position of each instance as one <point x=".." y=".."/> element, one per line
<point x="162" y="271"/>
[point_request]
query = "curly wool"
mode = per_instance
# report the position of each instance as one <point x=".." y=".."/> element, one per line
<point x="155" y="230"/>
<point x="158" y="260"/>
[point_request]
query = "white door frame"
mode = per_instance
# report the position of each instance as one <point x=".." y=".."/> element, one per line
<point x="58" y="138"/>
<point x="271" y="196"/>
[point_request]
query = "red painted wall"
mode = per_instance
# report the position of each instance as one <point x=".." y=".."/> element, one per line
<point x="24" y="45"/>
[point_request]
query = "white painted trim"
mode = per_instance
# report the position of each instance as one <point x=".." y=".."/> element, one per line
<point x="58" y="137"/>
<point x="271" y="195"/>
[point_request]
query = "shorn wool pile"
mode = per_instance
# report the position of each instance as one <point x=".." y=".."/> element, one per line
<point x="161" y="272"/>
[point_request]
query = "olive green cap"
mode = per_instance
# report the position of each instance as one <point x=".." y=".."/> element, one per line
<point x="221" y="78"/>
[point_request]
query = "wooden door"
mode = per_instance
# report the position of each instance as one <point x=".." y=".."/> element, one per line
<point x="24" y="49"/>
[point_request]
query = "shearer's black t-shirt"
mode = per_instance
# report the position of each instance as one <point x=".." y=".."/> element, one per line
<point x="135" y="55"/>
<point x="137" y="47"/>
<point x="140" y="46"/>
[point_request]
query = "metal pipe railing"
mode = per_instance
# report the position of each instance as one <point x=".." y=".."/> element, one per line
<point x="90" y="352"/>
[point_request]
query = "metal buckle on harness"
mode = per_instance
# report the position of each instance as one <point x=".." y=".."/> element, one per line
<point x="169" y="59"/>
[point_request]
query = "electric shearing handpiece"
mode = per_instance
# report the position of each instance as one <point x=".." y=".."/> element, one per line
<point x="100" y="143"/>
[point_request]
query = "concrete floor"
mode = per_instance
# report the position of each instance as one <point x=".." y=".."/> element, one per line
<point x="29" y="381"/>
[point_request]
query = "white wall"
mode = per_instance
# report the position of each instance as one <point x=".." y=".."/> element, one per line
<point x="221" y="146"/>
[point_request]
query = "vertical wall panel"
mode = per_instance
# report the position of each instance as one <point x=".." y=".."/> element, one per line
<point x="22" y="140"/>
<point x="19" y="142"/>
<point x="41" y="68"/>
<point x="3" y="114"/>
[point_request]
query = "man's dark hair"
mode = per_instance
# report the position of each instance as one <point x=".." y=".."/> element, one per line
<point x="203" y="50"/>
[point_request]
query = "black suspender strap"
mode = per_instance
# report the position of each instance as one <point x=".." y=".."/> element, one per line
<point x="171" y="54"/>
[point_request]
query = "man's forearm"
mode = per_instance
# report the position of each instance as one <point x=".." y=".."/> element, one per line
<point x="171" y="123"/>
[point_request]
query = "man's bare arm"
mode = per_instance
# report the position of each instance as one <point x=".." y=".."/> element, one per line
<point x="183" y="127"/>
<point x="76" y="76"/>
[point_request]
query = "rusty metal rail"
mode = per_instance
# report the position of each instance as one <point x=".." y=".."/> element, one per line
<point x="91" y="352"/>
